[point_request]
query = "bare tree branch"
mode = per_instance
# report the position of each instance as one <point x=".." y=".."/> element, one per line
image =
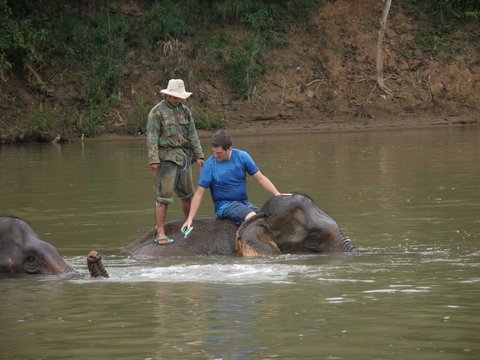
<point x="381" y="33"/>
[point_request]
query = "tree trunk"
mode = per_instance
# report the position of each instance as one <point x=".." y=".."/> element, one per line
<point x="381" y="33"/>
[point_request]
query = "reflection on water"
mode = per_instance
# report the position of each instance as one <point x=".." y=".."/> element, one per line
<point x="407" y="199"/>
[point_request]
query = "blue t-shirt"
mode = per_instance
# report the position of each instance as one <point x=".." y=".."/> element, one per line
<point x="227" y="179"/>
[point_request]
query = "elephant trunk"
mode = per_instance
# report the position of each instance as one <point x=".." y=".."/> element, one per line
<point x="95" y="265"/>
<point x="62" y="269"/>
<point x="342" y="244"/>
<point x="54" y="264"/>
<point x="348" y="247"/>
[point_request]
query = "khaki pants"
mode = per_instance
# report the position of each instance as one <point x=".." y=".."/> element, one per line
<point x="172" y="177"/>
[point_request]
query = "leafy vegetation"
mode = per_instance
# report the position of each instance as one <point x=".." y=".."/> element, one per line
<point x="167" y="20"/>
<point x="138" y="119"/>
<point x="440" y="18"/>
<point x="204" y="121"/>
<point x="96" y="42"/>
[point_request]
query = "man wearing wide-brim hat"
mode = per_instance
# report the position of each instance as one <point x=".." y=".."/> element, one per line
<point x="173" y="145"/>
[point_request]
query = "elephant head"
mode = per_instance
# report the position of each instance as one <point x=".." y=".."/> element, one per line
<point x="290" y="224"/>
<point x="23" y="252"/>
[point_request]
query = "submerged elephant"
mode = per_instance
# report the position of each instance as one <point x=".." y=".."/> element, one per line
<point x="22" y="252"/>
<point x="286" y="224"/>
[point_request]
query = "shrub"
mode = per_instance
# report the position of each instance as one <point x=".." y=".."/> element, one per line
<point x="166" y="20"/>
<point x="137" y="121"/>
<point x="207" y="122"/>
<point x="245" y="66"/>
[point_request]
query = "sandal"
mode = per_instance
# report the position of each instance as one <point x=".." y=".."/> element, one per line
<point x="163" y="240"/>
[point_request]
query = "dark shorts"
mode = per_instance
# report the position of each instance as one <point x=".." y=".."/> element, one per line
<point x="172" y="177"/>
<point x="236" y="211"/>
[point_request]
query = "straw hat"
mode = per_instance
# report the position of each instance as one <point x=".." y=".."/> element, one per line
<point x="176" y="88"/>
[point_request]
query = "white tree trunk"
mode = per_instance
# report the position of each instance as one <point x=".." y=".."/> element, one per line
<point x="381" y="33"/>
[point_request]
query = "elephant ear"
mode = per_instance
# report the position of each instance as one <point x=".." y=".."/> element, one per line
<point x="254" y="237"/>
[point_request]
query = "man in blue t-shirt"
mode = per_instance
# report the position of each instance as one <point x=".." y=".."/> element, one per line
<point x="225" y="174"/>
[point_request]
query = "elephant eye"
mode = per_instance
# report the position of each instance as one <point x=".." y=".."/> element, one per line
<point x="315" y="242"/>
<point x="31" y="264"/>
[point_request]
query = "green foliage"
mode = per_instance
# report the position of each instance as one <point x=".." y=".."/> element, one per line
<point x="245" y="66"/>
<point x="216" y="45"/>
<point x="264" y="19"/>
<point x="89" y="120"/>
<point x="445" y="12"/>
<point x="93" y="45"/>
<point x="235" y="11"/>
<point x="43" y="124"/>
<point x="439" y="19"/>
<point x="137" y="121"/>
<point x="15" y="48"/>
<point x="167" y="19"/>
<point x="433" y="42"/>
<point x="461" y="9"/>
<point x="101" y="46"/>
<point x="228" y="11"/>
<point x="300" y="10"/>
<point x="243" y="62"/>
<point x="206" y="122"/>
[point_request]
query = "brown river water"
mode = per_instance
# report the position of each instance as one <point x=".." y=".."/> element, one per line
<point x="409" y="200"/>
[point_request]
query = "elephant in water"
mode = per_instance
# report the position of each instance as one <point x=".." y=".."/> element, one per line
<point x="286" y="224"/>
<point x="23" y="252"/>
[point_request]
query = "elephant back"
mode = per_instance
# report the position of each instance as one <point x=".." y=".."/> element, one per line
<point x="210" y="236"/>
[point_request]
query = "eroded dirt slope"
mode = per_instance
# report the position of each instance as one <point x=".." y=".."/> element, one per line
<point x="324" y="79"/>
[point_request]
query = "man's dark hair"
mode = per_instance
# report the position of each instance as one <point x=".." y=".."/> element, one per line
<point x="221" y="138"/>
